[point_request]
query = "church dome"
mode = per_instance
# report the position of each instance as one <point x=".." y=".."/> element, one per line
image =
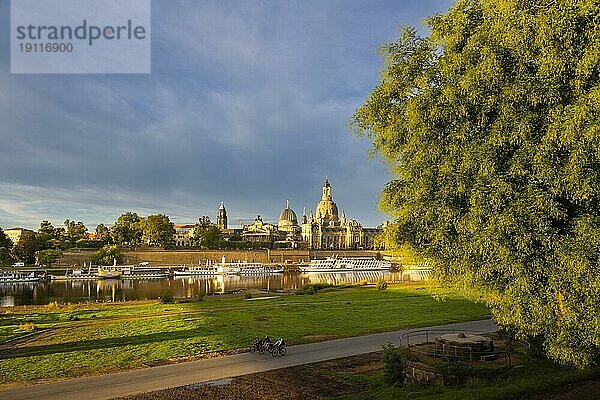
<point x="326" y="208"/>
<point x="288" y="217"/>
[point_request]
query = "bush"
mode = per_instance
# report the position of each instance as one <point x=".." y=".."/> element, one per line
<point x="382" y="284"/>
<point x="199" y="296"/>
<point x="167" y="298"/>
<point x="313" y="288"/>
<point x="27" y="326"/>
<point x="393" y="369"/>
<point x="53" y="305"/>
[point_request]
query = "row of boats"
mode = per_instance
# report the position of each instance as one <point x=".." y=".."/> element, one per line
<point x="243" y="268"/>
<point x="330" y="264"/>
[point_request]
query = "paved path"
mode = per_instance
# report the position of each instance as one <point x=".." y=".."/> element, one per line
<point x="162" y="377"/>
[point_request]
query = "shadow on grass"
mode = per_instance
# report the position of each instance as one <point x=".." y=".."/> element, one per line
<point x="96" y="344"/>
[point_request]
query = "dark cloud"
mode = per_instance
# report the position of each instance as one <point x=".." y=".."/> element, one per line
<point x="248" y="102"/>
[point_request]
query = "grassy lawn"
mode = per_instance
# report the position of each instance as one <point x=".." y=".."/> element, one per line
<point x="79" y="340"/>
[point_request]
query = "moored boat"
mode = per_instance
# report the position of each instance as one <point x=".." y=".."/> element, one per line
<point x="346" y="264"/>
<point x="18" y="277"/>
<point x="109" y="272"/>
<point x="196" y="270"/>
<point x="136" y="272"/>
<point x="247" y="268"/>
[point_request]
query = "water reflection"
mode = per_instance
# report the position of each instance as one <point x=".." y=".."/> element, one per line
<point x="181" y="287"/>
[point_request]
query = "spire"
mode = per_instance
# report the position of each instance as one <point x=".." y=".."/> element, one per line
<point x="287" y="204"/>
<point x="222" y="217"/>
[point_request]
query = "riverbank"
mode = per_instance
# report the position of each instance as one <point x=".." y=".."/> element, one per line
<point x="75" y="340"/>
<point x="361" y="377"/>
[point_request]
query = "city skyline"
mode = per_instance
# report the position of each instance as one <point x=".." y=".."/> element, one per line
<point x="271" y="216"/>
<point x="246" y="103"/>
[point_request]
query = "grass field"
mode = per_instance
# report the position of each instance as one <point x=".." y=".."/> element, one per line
<point x="76" y="340"/>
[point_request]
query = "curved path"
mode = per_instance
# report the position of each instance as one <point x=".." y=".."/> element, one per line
<point x="162" y="377"/>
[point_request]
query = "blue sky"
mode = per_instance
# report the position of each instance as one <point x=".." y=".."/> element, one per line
<point x="248" y="103"/>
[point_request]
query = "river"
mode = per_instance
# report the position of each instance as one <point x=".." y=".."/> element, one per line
<point x="111" y="290"/>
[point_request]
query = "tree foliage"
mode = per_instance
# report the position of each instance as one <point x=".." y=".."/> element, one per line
<point x="75" y="230"/>
<point x="47" y="229"/>
<point x="5" y="247"/>
<point x="25" y="250"/>
<point x="490" y="127"/>
<point x="206" y="234"/>
<point x="103" y="234"/>
<point x="107" y="256"/>
<point x="158" y="230"/>
<point x="47" y="257"/>
<point x="128" y="229"/>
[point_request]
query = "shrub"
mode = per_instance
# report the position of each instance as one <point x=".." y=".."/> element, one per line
<point x="393" y="369"/>
<point x="199" y="296"/>
<point x="27" y="326"/>
<point x="53" y="305"/>
<point x="312" y="288"/>
<point x="382" y="284"/>
<point x="167" y="298"/>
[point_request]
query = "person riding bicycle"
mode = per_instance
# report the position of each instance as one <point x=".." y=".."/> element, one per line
<point x="279" y="342"/>
<point x="266" y="340"/>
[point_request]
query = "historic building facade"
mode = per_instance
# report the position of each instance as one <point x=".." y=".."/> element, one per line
<point x="325" y="229"/>
<point x="14" y="234"/>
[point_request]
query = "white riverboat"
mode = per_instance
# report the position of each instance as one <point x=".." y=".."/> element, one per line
<point x="346" y="264"/>
<point x="246" y="268"/>
<point x="109" y="272"/>
<point x="137" y="272"/>
<point x="77" y="274"/>
<point x="18" y="277"/>
<point x="257" y="268"/>
<point x="196" y="270"/>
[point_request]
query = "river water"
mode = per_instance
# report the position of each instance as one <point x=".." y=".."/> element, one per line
<point x="181" y="287"/>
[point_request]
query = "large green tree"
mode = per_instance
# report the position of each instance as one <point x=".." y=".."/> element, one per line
<point x="107" y="256"/>
<point x="490" y="126"/>
<point x="103" y="234"/>
<point x="47" y="229"/>
<point x="47" y="257"/>
<point x="206" y="234"/>
<point x="29" y="244"/>
<point x="128" y="229"/>
<point x="158" y="230"/>
<point x="75" y="230"/>
<point x="5" y="247"/>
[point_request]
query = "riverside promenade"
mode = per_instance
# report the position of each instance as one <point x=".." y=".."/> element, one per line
<point x="163" y="377"/>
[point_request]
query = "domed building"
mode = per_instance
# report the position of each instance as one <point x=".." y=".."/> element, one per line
<point x="326" y="230"/>
<point x="287" y="219"/>
<point x="327" y="211"/>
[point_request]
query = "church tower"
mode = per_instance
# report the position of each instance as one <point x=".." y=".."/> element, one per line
<point x="222" y="217"/>
<point x="327" y="211"/>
